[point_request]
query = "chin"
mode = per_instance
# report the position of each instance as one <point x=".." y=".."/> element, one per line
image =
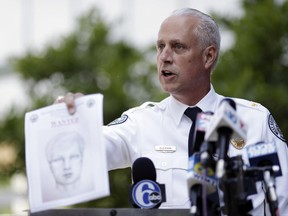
<point x="165" y="89"/>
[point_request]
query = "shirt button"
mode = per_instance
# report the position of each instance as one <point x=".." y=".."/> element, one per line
<point x="164" y="164"/>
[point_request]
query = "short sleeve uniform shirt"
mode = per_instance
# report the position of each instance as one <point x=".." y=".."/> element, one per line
<point x="160" y="132"/>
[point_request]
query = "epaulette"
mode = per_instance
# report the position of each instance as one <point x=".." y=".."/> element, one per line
<point x="148" y="104"/>
<point x="142" y="106"/>
<point x="250" y="104"/>
<point x="125" y="115"/>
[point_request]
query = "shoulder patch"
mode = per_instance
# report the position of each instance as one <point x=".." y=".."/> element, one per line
<point x="274" y="128"/>
<point x="119" y="120"/>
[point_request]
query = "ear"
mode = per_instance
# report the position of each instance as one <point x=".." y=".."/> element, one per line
<point x="209" y="56"/>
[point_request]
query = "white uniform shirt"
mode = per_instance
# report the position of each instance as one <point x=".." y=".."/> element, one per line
<point x="140" y="131"/>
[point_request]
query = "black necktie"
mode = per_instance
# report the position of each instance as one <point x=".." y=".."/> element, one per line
<point x="191" y="112"/>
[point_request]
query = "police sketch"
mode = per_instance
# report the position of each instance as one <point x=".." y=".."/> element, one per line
<point x="64" y="153"/>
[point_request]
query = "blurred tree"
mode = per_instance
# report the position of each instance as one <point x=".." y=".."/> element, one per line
<point x="256" y="67"/>
<point x="88" y="60"/>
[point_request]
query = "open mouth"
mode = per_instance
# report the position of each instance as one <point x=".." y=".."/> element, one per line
<point x="166" y="73"/>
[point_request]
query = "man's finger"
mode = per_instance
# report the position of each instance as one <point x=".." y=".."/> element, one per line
<point x="69" y="99"/>
<point x="59" y="99"/>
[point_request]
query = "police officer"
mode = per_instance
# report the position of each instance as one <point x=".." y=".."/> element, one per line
<point x="187" y="51"/>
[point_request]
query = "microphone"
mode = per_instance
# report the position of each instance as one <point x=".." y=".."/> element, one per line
<point x="199" y="178"/>
<point x="262" y="155"/>
<point x="225" y="124"/>
<point x="206" y="148"/>
<point x="265" y="165"/>
<point x="145" y="192"/>
<point x="201" y="124"/>
<point x="226" y="116"/>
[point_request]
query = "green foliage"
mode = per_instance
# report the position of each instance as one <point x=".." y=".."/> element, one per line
<point x="88" y="61"/>
<point x="12" y="145"/>
<point x="256" y="67"/>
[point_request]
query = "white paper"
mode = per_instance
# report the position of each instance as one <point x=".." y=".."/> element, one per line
<point x="65" y="154"/>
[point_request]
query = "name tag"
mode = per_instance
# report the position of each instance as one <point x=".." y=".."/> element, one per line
<point x="165" y="149"/>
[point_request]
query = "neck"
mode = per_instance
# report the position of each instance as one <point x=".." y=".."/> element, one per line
<point x="193" y="97"/>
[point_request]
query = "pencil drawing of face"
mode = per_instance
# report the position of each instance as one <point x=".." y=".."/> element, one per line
<point x="65" y="157"/>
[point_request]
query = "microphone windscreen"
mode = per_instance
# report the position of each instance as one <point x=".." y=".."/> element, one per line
<point x="143" y="169"/>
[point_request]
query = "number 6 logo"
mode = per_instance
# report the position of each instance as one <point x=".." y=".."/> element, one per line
<point x="146" y="194"/>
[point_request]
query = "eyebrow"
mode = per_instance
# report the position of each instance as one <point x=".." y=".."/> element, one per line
<point x="173" y="41"/>
<point x="159" y="41"/>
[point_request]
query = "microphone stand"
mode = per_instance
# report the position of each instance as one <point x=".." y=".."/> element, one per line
<point x="196" y="202"/>
<point x="233" y="186"/>
<point x="267" y="174"/>
<point x="271" y="195"/>
<point x="224" y="136"/>
<point x="203" y="204"/>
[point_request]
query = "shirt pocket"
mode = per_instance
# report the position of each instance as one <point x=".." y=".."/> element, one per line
<point x="172" y="171"/>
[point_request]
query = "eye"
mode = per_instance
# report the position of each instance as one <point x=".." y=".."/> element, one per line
<point x="57" y="160"/>
<point x="179" y="46"/>
<point x="160" y="46"/>
<point x="74" y="156"/>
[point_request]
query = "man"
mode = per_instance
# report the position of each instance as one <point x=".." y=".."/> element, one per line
<point x="64" y="153"/>
<point x="187" y="52"/>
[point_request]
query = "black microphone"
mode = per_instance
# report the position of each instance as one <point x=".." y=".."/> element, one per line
<point x="208" y="154"/>
<point x="145" y="192"/>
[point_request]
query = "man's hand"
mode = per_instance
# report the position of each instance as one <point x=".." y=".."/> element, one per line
<point x="69" y="99"/>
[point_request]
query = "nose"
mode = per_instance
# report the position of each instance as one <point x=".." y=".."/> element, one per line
<point x="166" y="55"/>
<point x="67" y="164"/>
